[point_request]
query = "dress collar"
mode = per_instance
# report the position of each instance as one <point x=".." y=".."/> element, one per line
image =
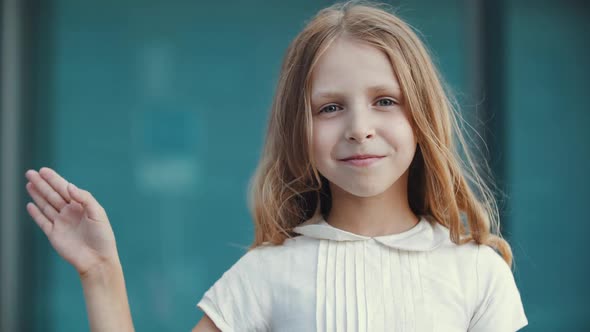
<point x="425" y="236"/>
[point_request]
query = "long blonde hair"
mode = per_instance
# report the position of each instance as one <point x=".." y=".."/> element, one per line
<point x="286" y="189"/>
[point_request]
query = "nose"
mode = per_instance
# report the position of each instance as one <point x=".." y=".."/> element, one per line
<point x="360" y="136"/>
<point x="360" y="128"/>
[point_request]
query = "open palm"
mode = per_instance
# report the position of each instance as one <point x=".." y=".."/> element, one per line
<point x="73" y="221"/>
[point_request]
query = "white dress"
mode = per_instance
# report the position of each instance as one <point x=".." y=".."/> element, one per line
<point x="329" y="279"/>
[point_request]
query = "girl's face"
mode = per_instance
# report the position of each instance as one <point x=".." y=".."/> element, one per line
<point x="357" y="110"/>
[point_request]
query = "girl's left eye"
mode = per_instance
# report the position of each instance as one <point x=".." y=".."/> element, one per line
<point x="386" y="102"/>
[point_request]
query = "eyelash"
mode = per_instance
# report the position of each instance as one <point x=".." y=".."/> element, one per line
<point x="393" y="102"/>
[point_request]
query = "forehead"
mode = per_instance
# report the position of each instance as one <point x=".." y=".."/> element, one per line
<point x="349" y="64"/>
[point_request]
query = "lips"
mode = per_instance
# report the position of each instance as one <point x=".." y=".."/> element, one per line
<point x="361" y="157"/>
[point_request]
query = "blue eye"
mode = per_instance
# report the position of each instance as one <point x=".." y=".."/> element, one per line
<point x="389" y="102"/>
<point x="329" y="109"/>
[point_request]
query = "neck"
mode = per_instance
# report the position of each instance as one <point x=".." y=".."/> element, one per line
<point x="384" y="214"/>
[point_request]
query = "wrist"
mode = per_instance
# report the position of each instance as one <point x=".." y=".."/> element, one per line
<point x="106" y="297"/>
<point x="102" y="271"/>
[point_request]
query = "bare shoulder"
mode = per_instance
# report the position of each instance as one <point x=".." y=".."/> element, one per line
<point x="205" y="325"/>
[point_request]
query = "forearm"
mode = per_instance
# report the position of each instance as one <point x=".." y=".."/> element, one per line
<point x="106" y="299"/>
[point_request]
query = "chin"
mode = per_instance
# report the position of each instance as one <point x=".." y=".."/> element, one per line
<point x="365" y="189"/>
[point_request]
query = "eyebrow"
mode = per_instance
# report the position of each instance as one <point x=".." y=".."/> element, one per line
<point x="373" y="89"/>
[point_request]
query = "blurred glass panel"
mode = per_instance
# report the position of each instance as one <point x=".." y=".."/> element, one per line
<point x="549" y="158"/>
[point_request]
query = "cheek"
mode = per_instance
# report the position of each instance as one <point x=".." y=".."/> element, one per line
<point x="316" y="145"/>
<point x="324" y="138"/>
<point x="400" y="134"/>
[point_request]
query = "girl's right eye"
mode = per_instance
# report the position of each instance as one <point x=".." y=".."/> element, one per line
<point x="329" y="109"/>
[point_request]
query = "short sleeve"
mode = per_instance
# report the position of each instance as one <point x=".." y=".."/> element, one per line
<point x="239" y="300"/>
<point x="499" y="307"/>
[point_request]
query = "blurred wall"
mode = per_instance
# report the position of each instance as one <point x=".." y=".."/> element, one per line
<point x="548" y="158"/>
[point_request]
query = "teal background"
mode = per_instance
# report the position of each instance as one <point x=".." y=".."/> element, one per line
<point x="159" y="109"/>
<point x="548" y="159"/>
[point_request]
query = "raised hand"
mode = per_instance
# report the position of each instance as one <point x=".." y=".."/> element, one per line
<point x="74" y="222"/>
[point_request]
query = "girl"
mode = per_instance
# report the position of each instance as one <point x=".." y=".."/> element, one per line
<point x="365" y="217"/>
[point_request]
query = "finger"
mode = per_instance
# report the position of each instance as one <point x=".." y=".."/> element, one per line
<point x="48" y="193"/>
<point x="42" y="221"/>
<point x="47" y="209"/>
<point x="58" y="183"/>
<point x="94" y="210"/>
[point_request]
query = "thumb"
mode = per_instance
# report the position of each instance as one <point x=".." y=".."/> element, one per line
<point x="86" y="199"/>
